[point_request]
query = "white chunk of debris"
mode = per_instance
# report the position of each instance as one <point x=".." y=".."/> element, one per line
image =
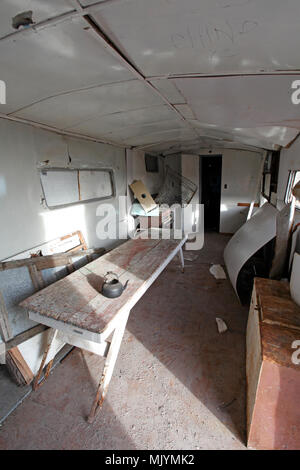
<point x="222" y="327"/>
<point x="217" y="271"/>
<point x="190" y="256"/>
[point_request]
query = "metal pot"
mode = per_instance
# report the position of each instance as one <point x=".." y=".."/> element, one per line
<point x="113" y="288"/>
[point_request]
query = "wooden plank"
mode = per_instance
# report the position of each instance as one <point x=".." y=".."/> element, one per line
<point x="276" y="305"/>
<point x="36" y="277"/>
<point x="246" y="204"/>
<point x="143" y="196"/>
<point x="19" y="339"/>
<point x="49" y="261"/>
<point x="5" y="328"/>
<point x="18" y="367"/>
<point x="82" y="245"/>
<point x="280" y="311"/>
<point x="51" y="337"/>
<point x="109" y="365"/>
<point x="271" y="287"/>
<point x="41" y="262"/>
<point x="277" y="344"/>
<point x="32" y="349"/>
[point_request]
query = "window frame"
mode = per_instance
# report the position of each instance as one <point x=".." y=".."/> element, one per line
<point x="271" y="168"/>
<point x="85" y="201"/>
<point x="289" y="187"/>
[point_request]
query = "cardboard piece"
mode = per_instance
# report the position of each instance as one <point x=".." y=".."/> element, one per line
<point x="142" y="194"/>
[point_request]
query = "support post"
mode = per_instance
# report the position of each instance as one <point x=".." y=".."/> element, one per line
<point x="109" y="366"/>
<point x="37" y="383"/>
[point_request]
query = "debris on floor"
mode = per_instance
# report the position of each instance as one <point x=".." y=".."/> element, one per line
<point x="190" y="256"/>
<point x="217" y="271"/>
<point x="222" y="327"/>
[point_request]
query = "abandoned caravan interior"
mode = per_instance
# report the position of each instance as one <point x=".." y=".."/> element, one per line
<point x="150" y="211"/>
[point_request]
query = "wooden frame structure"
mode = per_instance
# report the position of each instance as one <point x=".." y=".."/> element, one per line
<point x="36" y="264"/>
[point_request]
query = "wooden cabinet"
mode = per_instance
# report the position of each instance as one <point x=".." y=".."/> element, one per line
<point x="273" y="374"/>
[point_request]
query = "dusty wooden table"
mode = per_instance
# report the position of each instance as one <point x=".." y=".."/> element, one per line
<point x="79" y="315"/>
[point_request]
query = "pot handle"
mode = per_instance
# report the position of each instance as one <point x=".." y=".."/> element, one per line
<point x="109" y="273"/>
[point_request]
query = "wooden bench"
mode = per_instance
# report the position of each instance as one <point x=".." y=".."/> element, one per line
<point x="80" y="315"/>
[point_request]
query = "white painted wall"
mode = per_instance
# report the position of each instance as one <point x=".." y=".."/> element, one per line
<point x="240" y="169"/>
<point x="137" y="171"/>
<point x="174" y="162"/>
<point x="190" y="170"/>
<point x="24" y="222"/>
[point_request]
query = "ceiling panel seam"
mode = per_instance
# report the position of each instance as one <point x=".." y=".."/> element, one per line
<point x="222" y="74"/>
<point x="56" y="130"/>
<point x="132" y="126"/>
<point x="114" y="50"/>
<point x="106" y="41"/>
<point x="63" y="93"/>
<point x="183" y="141"/>
<point x="96" y="116"/>
<point x="81" y="11"/>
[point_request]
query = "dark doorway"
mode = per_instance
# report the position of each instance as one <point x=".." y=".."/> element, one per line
<point x="211" y="174"/>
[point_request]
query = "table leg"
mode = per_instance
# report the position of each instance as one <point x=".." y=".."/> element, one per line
<point x="109" y="366"/>
<point x="180" y="252"/>
<point x="37" y="383"/>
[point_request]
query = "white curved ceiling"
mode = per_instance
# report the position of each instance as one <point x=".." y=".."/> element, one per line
<point x="162" y="75"/>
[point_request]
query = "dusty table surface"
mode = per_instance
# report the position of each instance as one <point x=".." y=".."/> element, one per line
<point x="76" y="299"/>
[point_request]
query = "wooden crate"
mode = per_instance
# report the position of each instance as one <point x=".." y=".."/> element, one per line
<point x="273" y="377"/>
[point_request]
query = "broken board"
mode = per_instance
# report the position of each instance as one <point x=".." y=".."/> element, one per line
<point x="142" y="194"/>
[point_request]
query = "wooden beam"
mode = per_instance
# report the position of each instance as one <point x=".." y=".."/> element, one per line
<point x="246" y="204"/>
<point x="12" y="343"/>
<point x="49" y="261"/>
<point x="18" y="367"/>
<point x="36" y="277"/>
<point x="82" y="246"/>
<point x="5" y="329"/>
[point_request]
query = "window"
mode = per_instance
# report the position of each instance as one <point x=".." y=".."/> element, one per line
<point x="62" y="187"/>
<point x="294" y="178"/>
